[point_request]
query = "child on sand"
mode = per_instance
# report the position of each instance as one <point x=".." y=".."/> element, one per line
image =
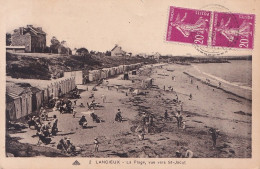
<point x="96" y="144"/>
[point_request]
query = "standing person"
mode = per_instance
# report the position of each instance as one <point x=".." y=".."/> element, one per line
<point x="54" y="128"/>
<point x="163" y="88"/>
<point x="74" y="113"/>
<point x="96" y="144"/>
<point x="191" y="81"/>
<point x="75" y="102"/>
<point x="190" y="97"/>
<point x="197" y="87"/>
<point x="166" y="115"/>
<point x="214" y="135"/>
<point x="219" y="84"/>
<point x="59" y="92"/>
<point x="103" y="98"/>
<point x="181" y="104"/>
<point x="179" y="119"/>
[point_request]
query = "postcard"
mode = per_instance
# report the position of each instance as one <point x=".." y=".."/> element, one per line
<point x="129" y="84"/>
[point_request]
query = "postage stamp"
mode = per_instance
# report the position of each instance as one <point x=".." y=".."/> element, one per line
<point x="233" y="30"/>
<point x="188" y="26"/>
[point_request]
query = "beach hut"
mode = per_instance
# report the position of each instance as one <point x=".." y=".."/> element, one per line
<point x="37" y="98"/>
<point x="13" y="107"/>
<point x="79" y="77"/>
<point x="24" y="102"/>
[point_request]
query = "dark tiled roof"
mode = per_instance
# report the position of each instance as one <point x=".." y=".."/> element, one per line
<point x="14" y="90"/>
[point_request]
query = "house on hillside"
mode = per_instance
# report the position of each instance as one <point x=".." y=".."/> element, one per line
<point x="32" y="38"/>
<point x="117" y="51"/>
<point x="64" y="49"/>
<point x="155" y="56"/>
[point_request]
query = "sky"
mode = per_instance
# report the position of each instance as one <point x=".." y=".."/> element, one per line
<point x="138" y="26"/>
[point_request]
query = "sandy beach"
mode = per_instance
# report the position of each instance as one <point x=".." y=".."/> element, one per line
<point x="209" y="107"/>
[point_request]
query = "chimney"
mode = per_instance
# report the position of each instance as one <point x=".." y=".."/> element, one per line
<point x="21" y="30"/>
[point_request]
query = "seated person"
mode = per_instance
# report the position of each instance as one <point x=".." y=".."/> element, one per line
<point x="82" y="120"/>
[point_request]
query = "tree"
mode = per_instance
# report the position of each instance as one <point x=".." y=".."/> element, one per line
<point x="82" y="51"/>
<point x="8" y="39"/>
<point x="55" y="44"/>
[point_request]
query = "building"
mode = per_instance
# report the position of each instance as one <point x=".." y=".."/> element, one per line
<point x="117" y="51"/>
<point x="34" y="39"/>
<point x="19" y="101"/>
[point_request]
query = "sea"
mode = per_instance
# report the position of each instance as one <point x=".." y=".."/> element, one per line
<point x="237" y="72"/>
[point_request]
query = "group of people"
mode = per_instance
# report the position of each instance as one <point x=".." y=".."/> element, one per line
<point x="64" y="106"/>
<point x="44" y="128"/>
<point x="65" y="145"/>
<point x="179" y="118"/>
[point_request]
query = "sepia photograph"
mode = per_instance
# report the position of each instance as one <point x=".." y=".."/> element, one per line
<point x="104" y="79"/>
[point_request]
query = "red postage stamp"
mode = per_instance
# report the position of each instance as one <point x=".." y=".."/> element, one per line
<point x="233" y="30"/>
<point x="188" y="26"/>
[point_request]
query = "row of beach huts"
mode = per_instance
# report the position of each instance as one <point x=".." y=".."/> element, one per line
<point x="25" y="98"/>
<point x="104" y="73"/>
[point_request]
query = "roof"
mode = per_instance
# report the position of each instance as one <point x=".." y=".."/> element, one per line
<point x="15" y="91"/>
<point x="36" y="30"/>
<point x="32" y="30"/>
<point x="115" y="47"/>
<point x="35" y="89"/>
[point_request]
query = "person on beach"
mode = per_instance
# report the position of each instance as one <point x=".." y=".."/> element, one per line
<point x="181" y="105"/>
<point x="103" y="97"/>
<point x="81" y="105"/>
<point x="190" y="97"/>
<point x="214" y="135"/>
<point x="188" y="153"/>
<point x="178" y="117"/>
<point x="83" y="121"/>
<point x="74" y="113"/>
<point x="219" y="85"/>
<point x="141" y="135"/>
<point x="118" y="116"/>
<point x="45" y="129"/>
<point x="96" y="144"/>
<point x="166" y="115"/>
<point x="197" y="87"/>
<point x="178" y="154"/>
<point x="70" y="147"/>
